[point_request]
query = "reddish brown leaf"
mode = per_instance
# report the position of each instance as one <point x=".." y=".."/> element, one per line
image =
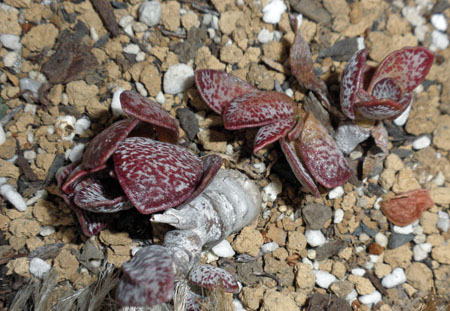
<point x="271" y="133"/>
<point x="382" y="109"/>
<point x="407" y="207"/>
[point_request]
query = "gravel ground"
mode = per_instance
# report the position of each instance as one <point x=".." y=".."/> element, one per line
<point x="61" y="63"/>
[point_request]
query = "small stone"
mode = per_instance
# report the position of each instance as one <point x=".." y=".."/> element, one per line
<point x="39" y="267"/>
<point x="14" y="197"/>
<point x="428" y="221"/>
<point x="341" y="288"/>
<point x="439" y="40"/>
<point x="249" y="241"/>
<point x="115" y="238"/>
<point x="324" y="279"/>
<point x="363" y="285"/>
<point x="276" y="234"/>
<point x="336" y="193"/>
<point x="273" y="11"/>
<point x="316" y="215"/>
<point x="252" y="296"/>
<point x="405" y="181"/>
<point x="381" y="239"/>
<point x="375" y="249"/>
<point x="442" y="132"/>
<point x="273" y="189"/>
<point x="443" y="222"/>
<point x="11" y="59"/>
<point x="178" y="78"/>
<point x="398" y="257"/>
<point x="265" y="36"/>
<point x="370" y="299"/>
<point x="381" y="270"/>
<point x="419" y="276"/>
<point x="40" y="37"/>
<point x="274" y="300"/>
<point x="296" y="242"/>
<point x="421" y="251"/>
<point x="403" y="117"/>
<point x="403" y="229"/>
<point x="66" y="264"/>
<point x="338" y="216"/>
<point x="305" y="277"/>
<point x="439" y="21"/>
<point x="228" y="20"/>
<point x="170" y="15"/>
<point x="441" y="253"/>
<point x="223" y="249"/>
<point x="396" y="277"/>
<point x="394" y="162"/>
<point x="10" y="41"/>
<point x="269" y="247"/>
<point x="150" y="13"/>
<point x="440" y="195"/>
<point x="396" y="240"/>
<point x="131" y="49"/>
<point x="315" y="237"/>
<point x="47" y="230"/>
<point x="421" y="142"/>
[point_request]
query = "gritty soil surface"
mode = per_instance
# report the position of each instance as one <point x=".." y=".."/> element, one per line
<point x="76" y="58"/>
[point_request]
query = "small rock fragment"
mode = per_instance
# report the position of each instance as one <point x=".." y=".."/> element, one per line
<point x="10" y="194"/>
<point x="443" y="222"/>
<point x="397" y="239"/>
<point x="178" y="78"/>
<point x="315" y="238"/>
<point x="150" y="12"/>
<point x="316" y="215"/>
<point x="324" y="279"/>
<point x="272" y="11"/>
<point x="39" y="267"/>
<point x="223" y="249"/>
<point x="421" y="251"/>
<point x="336" y="193"/>
<point x="421" y="142"/>
<point x="370" y="299"/>
<point x="11" y="41"/>
<point x="249" y="241"/>
<point x="396" y="277"/>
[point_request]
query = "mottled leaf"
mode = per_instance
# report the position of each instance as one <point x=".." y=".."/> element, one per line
<point x="387" y="89"/>
<point x="91" y="223"/>
<point x="211" y="277"/>
<point x="258" y="109"/>
<point x="382" y="109"/>
<point x="271" y="133"/>
<point x="352" y="80"/>
<point x="75" y="175"/>
<point x="134" y="104"/>
<point x="148" y="278"/>
<point x="104" y="144"/>
<point x="211" y="165"/>
<point x="407" y="67"/>
<point x="218" y="88"/>
<point x="324" y="160"/>
<point x="154" y="175"/>
<point x="302" y="67"/>
<point x="299" y="170"/>
<point x="63" y="173"/>
<point x="406" y="208"/>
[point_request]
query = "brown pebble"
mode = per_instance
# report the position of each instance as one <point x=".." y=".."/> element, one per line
<point x="376" y="249"/>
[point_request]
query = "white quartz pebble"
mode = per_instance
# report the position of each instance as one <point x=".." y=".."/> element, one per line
<point x="2" y="135"/>
<point x="273" y="11"/>
<point x="131" y="49"/>
<point x="421" y="251"/>
<point x="126" y="21"/>
<point x="47" y="230"/>
<point x="381" y="239"/>
<point x="324" y="279"/>
<point x="404" y="230"/>
<point x="10" y="59"/>
<point x="351" y="296"/>
<point x="116" y="106"/>
<point x="439" y="21"/>
<point x="439" y="40"/>
<point x="396" y="277"/>
<point x="11" y="42"/>
<point x="358" y="271"/>
<point x="370" y="299"/>
<point x="81" y="125"/>
<point x="338" y="216"/>
<point x="223" y="249"/>
<point x="39" y="267"/>
<point x="443" y="222"/>
<point x="272" y="190"/>
<point x="269" y="247"/>
<point x="335" y="193"/>
<point x="403" y="117"/>
<point x="421" y="142"/>
<point x="178" y="78"/>
<point x="10" y="194"/>
<point x="76" y="153"/>
<point x="265" y="36"/>
<point x="315" y="237"/>
<point x="150" y="13"/>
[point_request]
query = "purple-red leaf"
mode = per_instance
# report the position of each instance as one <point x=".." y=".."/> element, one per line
<point x="387" y="89"/>
<point x="148" y="278"/>
<point x="104" y="144"/>
<point x="407" y="67"/>
<point x="324" y="160"/>
<point x="91" y="223"/>
<point x="271" y="133"/>
<point x="382" y="109"/>
<point x="258" y="109"/>
<point x="211" y="165"/>
<point x="218" y="88"/>
<point x="352" y="81"/>
<point x="156" y="176"/>
<point x="147" y="111"/>
<point x="302" y="67"/>
<point x="299" y="170"/>
<point x="211" y="277"/>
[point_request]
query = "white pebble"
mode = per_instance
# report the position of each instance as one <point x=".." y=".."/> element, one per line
<point x="140" y="56"/>
<point x="141" y="89"/>
<point x="178" y="78"/>
<point x="421" y="251"/>
<point x="265" y="36"/>
<point x="116" y="106"/>
<point x="237" y="305"/>
<point x="129" y="30"/>
<point x="421" y="32"/>
<point x="443" y="222"/>
<point x="273" y="11"/>
<point x="404" y="230"/>
<point x="413" y="16"/>
<point x="338" y="216"/>
<point x="76" y="153"/>
<point x="315" y="237"/>
<point x="439" y="21"/>
<point x="401" y="119"/>
<point x="150" y="13"/>
<point x="47" y="230"/>
<point x="351" y="296"/>
<point x="381" y="239"/>
<point x="374" y="258"/>
<point x="439" y="40"/>
<point x="370" y="299"/>
<point x="94" y="34"/>
<point x="40" y="194"/>
<point x="223" y="249"/>
<point x="269" y="247"/>
<point x="358" y="271"/>
<point x="324" y="279"/>
<point x="39" y="267"/>
<point x="11" y="42"/>
<point x="126" y="21"/>
<point x="209" y="256"/>
<point x="10" y="59"/>
<point x="272" y="190"/>
<point x="66" y="125"/>
<point x="396" y="277"/>
<point x="421" y="142"/>
<point x="360" y="43"/>
<point x="289" y="92"/>
<point x="30" y="155"/>
<point x="81" y="125"/>
<point x="2" y="135"/>
<point x="10" y="194"/>
<point x="336" y="193"/>
<point x="312" y="254"/>
<point x="439" y="180"/>
<point x="260" y="167"/>
<point x="95" y="263"/>
<point x="160" y="99"/>
<point x="131" y="49"/>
